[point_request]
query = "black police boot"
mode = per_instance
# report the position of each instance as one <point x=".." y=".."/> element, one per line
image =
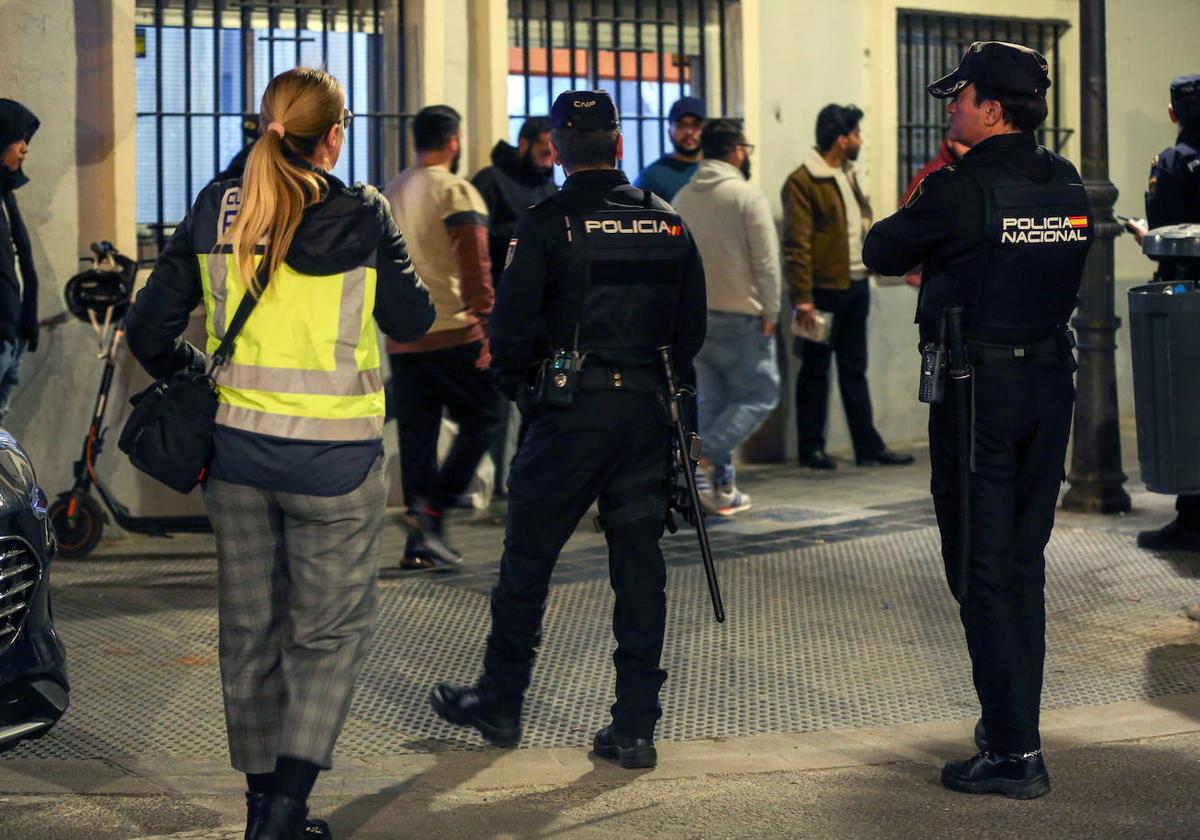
<point x="1014" y="776"/>
<point x="630" y="753"/>
<point x="465" y="706"/>
<point x="1171" y="537"/>
<point x="817" y="460"/>
<point x="884" y="458"/>
<point x="278" y="817"/>
<point x="313" y="829"/>
<point x="981" y="739"/>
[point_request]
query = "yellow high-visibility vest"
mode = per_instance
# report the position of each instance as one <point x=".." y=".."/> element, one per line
<point x="306" y="364"/>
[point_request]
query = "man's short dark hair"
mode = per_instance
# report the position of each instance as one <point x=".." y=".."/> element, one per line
<point x="533" y="128"/>
<point x="836" y="121"/>
<point x="577" y="147"/>
<point x="433" y="127"/>
<point x="719" y="138"/>
<point x="1024" y="111"/>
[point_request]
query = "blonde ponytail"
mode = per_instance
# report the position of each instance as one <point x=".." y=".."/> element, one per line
<point x="305" y="103"/>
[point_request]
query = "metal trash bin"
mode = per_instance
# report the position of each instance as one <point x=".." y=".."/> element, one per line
<point x="1164" y="331"/>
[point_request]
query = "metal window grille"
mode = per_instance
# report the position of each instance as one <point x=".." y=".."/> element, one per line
<point x="203" y="64"/>
<point x="930" y="45"/>
<point x="645" y="53"/>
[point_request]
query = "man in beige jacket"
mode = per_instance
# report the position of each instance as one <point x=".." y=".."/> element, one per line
<point x="825" y="217"/>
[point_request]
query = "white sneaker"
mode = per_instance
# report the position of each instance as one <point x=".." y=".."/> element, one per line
<point x="731" y="500"/>
<point x="706" y="491"/>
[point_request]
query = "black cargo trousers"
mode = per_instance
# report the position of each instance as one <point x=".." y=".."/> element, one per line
<point x="1022" y="423"/>
<point x="614" y="446"/>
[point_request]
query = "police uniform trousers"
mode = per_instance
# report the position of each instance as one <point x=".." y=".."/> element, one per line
<point x="615" y="447"/>
<point x="1022" y="419"/>
<point x="296" y="595"/>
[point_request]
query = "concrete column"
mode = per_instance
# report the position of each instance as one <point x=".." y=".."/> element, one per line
<point x="105" y="135"/>
<point x="487" y="92"/>
<point x="425" y="70"/>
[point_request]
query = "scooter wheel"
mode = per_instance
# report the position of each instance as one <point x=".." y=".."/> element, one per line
<point x="78" y="527"/>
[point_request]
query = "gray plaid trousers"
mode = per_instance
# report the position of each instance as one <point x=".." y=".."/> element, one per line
<point x="296" y="581"/>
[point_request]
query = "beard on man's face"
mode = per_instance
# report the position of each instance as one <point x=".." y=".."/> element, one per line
<point x="533" y="168"/>
<point x="852" y="152"/>
<point x="745" y="167"/>
<point x="689" y="147"/>
<point x="454" y="163"/>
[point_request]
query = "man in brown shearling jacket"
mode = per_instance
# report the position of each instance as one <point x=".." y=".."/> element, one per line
<point x="825" y="217"/>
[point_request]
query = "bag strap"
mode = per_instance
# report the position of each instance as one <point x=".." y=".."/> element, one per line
<point x="225" y="349"/>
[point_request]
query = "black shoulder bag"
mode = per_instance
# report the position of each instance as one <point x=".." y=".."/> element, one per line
<point x="169" y="433"/>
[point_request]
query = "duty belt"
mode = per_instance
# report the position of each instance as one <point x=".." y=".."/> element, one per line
<point x="602" y="377"/>
<point x="1056" y="348"/>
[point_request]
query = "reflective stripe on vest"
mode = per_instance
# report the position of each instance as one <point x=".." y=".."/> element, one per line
<point x="306" y="366"/>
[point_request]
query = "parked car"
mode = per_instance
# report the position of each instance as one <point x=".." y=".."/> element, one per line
<point x="33" y="670"/>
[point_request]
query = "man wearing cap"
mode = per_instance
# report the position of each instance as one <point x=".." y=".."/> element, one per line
<point x="670" y="172"/>
<point x="1003" y="234"/>
<point x="1173" y="198"/>
<point x="599" y="277"/>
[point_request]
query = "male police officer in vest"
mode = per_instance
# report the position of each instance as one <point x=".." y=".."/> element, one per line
<point x="599" y="276"/>
<point x="1003" y="235"/>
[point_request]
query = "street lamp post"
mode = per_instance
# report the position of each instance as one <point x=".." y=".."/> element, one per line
<point x="1096" y="476"/>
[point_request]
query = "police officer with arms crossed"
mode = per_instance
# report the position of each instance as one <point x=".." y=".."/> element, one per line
<point x="600" y="276"/>
<point x="1173" y="198"/>
<point x="1004" y="235"/>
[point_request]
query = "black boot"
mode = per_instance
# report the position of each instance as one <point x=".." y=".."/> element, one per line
<point x="630" y="753"/>
<point x="276" y="817"/>
<point x="465" y="706"/>
<point x="313" y="829"/>
<point x="1174" y="536"/>
<point x="981" y="739"/>
<point x="1015" y="776"/>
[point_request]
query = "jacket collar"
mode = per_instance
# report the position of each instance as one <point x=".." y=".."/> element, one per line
<point x="818" y="168"/>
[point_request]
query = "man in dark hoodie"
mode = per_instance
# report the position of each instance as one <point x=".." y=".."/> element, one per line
<point x="519" y="177"/>
<point x="18" y="278"/>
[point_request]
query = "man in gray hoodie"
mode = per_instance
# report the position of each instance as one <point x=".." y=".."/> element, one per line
<point x="737" y="374"/>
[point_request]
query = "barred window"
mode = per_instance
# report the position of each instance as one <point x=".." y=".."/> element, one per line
<point x="203" y="64"/>
<point x="645" y="53"/>
<point x="930" y="45"/>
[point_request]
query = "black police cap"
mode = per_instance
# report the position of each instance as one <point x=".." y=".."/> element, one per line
<point x="997" y="66"/>
<point x="1185" y="96"/>
<point x="588" y="110"/>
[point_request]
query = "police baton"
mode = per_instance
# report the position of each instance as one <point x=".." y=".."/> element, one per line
<point x="960" y="374"/>
<point x="689" y="457"/>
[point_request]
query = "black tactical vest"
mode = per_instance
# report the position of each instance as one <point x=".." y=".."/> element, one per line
<point x="633" y="260"/>
<point x="1022" y="282"/>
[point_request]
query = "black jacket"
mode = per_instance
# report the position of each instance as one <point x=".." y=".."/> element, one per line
<point x="646" y="290"/>
<point x="18" y="293"/>
<point x="945" y="227"/>
<point x="509" y="187"/>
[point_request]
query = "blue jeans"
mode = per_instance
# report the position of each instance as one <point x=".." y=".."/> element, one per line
<point x="737" y="382"/>
<point x="11" y="351"/>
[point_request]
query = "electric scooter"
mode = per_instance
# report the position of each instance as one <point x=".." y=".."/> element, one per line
<point x="101" y="296"/>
